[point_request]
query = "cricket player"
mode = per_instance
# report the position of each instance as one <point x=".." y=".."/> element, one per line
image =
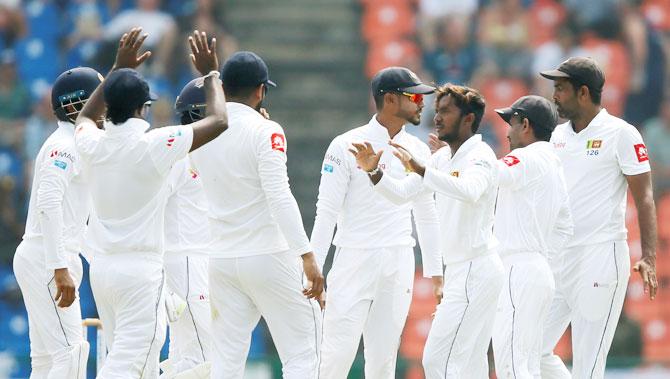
<point x="259" y="249"/>
<point x="187" y="238"/>
<point x="532" y="222"/>
<point x="602" y="157"/>
<point x="128" y="171"/>
<point x="464" y="179"/>
<point x="47" y="264"/>
<point x="370" y="283"/>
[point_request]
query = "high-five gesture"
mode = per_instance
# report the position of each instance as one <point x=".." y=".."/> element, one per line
<point x="407" y="159"/>
<point x="366" y="158"/>
<point x="203" y="55"/>
<point x="129" y="46"/>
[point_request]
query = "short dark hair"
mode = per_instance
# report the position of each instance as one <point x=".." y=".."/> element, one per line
<point x="120" y="115"/>
<point x="379" y="100"/>
<point x="467" y="99"/>
<point x="239" y="91"/>
<point x="596" y="93"/>
<point x="540" y="133"/>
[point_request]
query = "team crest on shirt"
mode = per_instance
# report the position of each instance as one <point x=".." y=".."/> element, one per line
<point x="510" y="160"/>
<point x="594" y="144"/>
<point x="172" y="137"/>
<point x="454" y="173"/>
<point x="278" y="142"/>
<point x="641" y="152"/>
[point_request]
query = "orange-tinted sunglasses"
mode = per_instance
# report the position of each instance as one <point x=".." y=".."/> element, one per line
<point x="416" y="98"/>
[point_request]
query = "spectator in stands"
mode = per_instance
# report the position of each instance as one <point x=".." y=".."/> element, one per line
<point x="434" y="12"/>
<point x="455" y="57"/>
<point x="14" y="100"/>
<point x="160" y="26"/>
<point x="656" y="134"/>
<point x="38" y="127"/>
<point x="504" y="36"/>
<point x="11" y="227"/>
<point x="12" y="23"/>
<point x="647" y="58"/>
<point x="86" y="18"/>
<point x="552" y="53"/>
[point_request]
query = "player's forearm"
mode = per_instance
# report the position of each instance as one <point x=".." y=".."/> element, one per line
<point x="468" y="189"/>
<point x="322" y="233"/>
<point x="399" y="191"/>
<point x="646" y="213"/>
<point x="94" y="107"/>
<point x="215" y="98"/>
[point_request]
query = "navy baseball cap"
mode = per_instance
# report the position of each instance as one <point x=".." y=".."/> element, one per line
<point x="125" y="88"/>
<point x="537" y="109"/>
<point x="585" y="71"/>
<point x="399" y="79"/>
<point x="245" y="69"/>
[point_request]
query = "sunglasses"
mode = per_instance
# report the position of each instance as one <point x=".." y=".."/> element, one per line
<point x="416" y="98"/>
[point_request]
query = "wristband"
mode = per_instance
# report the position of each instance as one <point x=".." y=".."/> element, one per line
<point x="213" y="73"/>
<point x="374" y="172"/>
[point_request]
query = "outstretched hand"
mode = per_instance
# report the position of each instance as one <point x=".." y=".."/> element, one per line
<point x="203" y="55"/>
<point x="435" y="143"/>
<point x="366" y="158"/>
<point x="129" y="46"/>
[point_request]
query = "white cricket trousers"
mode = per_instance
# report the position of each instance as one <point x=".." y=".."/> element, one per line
<point x="270" y="285"/>
<point x="459" y="337"/>
<point x="57" y="348"/>
<point x="369" y="293"/>
<point x="128" y="292"/>
<point x="187" y="276"/>
<point x="591" y="286"/>
<point x="523" y="306"/>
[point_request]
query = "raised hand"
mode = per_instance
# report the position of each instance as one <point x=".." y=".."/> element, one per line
<point x="203" y="55"/>
<point x="647" y="269"/>
<point x="129" y="46"/>
<point x="435" y="143"/>
<point x="366" y="158"/>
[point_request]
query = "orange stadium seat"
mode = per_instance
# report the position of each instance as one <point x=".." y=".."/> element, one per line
<point x="387" y="19"/>
<point x="414" y="337"/>
<point x="663" y="210"/>
<point x="637" y="305"/>
<point x="545" y="16"/>
<point x="613" y="58"/>
<point x="382" y="54"/>
<point x="658" y="13"/>
<point x="656" y="338"/>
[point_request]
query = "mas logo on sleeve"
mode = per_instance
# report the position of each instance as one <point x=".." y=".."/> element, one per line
<point x="510" y="160"/>
<point x="172" y="137"/>
<point x="278" y="142"/>
<point x="60" y="164"/>
<point x="641" y="152"/>
<point x="328" y="168"/>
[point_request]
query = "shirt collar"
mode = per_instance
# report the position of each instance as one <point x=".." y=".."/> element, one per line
<point x="132" y="125"/>
<point x="380" y="131"/>
<point x="66" y="126"/>
<point x="599" y="120"/>
<point x="468" y="145"/>
<point x="232" y="105"/>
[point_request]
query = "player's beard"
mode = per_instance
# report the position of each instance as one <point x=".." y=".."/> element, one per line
<point x="453" y="135"/>
<point x="413" y="118"/>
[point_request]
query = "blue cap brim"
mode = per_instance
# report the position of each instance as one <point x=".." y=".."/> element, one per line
<point x="270" y="83"/>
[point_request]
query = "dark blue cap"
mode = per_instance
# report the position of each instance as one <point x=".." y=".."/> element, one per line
<point x="125" y="88"/>
<point x="398" y="79"/>
<point x="245" y="69"/>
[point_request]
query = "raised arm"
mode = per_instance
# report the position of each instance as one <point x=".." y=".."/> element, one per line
<point x="205" y="60"/>
<point x="126" y="57"/>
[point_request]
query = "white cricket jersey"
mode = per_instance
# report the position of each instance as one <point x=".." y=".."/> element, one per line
<point x="127" y="170"/>
<point x="364" y="219"/>
<point x="186" y="222"/>
<point x="532" y="212"/>
<point x="59" y="200"/>
<point x="465" y="192"/>
<point x="251" y="208"/>
<point x="595" y="162"/>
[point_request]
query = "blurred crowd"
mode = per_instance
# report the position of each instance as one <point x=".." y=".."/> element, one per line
<point x="39" y="39"/>
<point x="500" y="46"/>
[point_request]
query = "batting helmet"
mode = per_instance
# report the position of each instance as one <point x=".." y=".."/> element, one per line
<point x="191" y="103"/>
<point x="71" y="90"/>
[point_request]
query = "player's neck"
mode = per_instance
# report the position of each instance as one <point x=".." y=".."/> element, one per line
<point x="585" y="117"/>
<point x="391" y="123"/>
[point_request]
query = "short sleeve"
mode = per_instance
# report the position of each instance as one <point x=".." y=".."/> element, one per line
<point x="168" y="145"/>
<point x="515" y="170"/>
<point x="86" y="137"/>
<point x="61" y="161"/>
<point x="631" y="152"/>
